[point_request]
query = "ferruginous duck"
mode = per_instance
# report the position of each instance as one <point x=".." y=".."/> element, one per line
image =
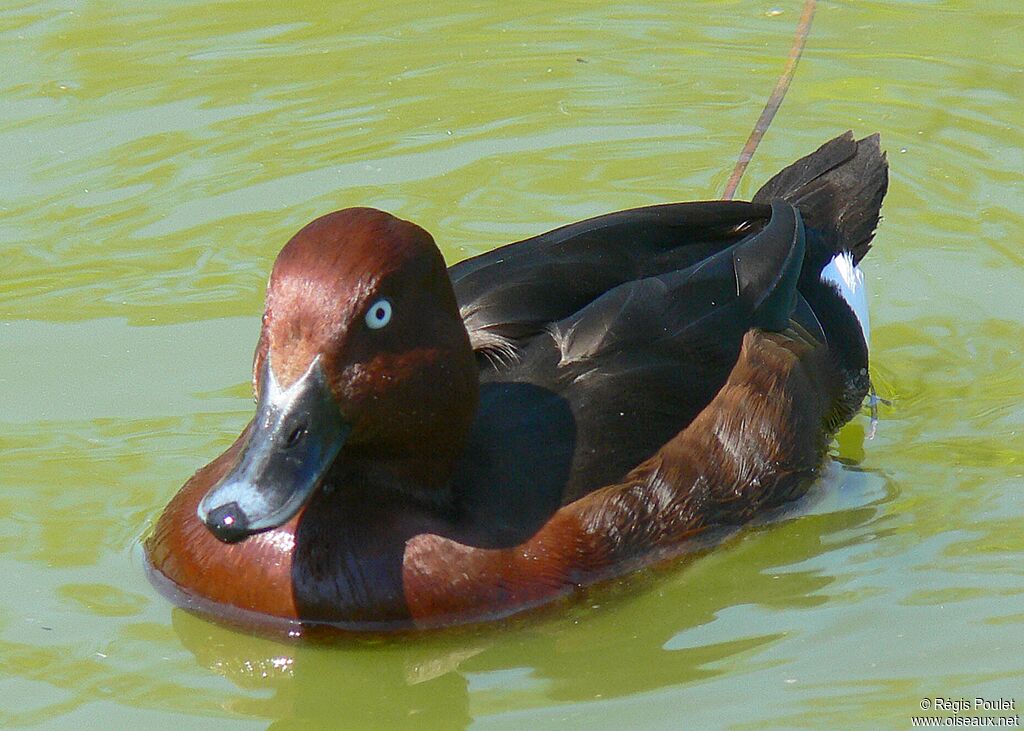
<point x="434" y="446"/>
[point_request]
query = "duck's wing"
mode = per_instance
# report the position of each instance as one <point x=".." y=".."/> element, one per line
<point x="631" y="368"/>
<point x="640" y="362"/>
<point x="749" y="284"/>
<point x="513" y="293"/>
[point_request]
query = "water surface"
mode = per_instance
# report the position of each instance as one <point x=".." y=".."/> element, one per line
<point x="156" y="156"/>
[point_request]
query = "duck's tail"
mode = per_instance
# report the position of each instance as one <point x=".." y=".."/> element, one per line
<point x="838" y="190"/>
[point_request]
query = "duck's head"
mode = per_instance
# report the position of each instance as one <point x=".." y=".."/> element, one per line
<point x="362" y="359"/>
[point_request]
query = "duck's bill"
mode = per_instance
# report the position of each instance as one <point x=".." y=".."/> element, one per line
<point x="295" y="437"/>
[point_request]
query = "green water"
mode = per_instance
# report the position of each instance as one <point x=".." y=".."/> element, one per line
<point x="156" y="155"/>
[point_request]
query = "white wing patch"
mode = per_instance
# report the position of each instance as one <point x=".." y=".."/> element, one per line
<point x="849" y="280"/>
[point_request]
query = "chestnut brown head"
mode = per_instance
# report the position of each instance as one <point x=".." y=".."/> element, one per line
<point x="362" y="357"/>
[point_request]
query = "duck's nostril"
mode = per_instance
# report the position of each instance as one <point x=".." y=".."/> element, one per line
<point x="296" y="434"/>
<point x="228" y="523"/>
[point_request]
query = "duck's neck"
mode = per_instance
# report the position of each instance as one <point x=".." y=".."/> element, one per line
<point x="350" y="542"/>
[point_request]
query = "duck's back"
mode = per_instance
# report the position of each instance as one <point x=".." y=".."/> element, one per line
<point x="620" y="329"/>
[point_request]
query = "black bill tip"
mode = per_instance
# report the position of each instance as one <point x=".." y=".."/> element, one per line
<point x="228" y="523"/>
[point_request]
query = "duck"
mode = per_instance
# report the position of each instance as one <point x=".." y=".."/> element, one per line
<point x="436" y="446"/>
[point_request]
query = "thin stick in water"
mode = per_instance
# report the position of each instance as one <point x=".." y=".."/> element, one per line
<point x="774" y="101"/>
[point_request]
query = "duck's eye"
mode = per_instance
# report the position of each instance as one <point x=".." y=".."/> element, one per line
<point x="379" y="314"/>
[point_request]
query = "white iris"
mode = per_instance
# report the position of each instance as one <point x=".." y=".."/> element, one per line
<point x="379" y="314"/>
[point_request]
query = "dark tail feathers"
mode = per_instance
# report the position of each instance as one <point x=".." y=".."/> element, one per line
<point x="838" y="190"/>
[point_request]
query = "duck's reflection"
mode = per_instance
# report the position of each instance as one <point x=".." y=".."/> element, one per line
<point x="641" y="635"/>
